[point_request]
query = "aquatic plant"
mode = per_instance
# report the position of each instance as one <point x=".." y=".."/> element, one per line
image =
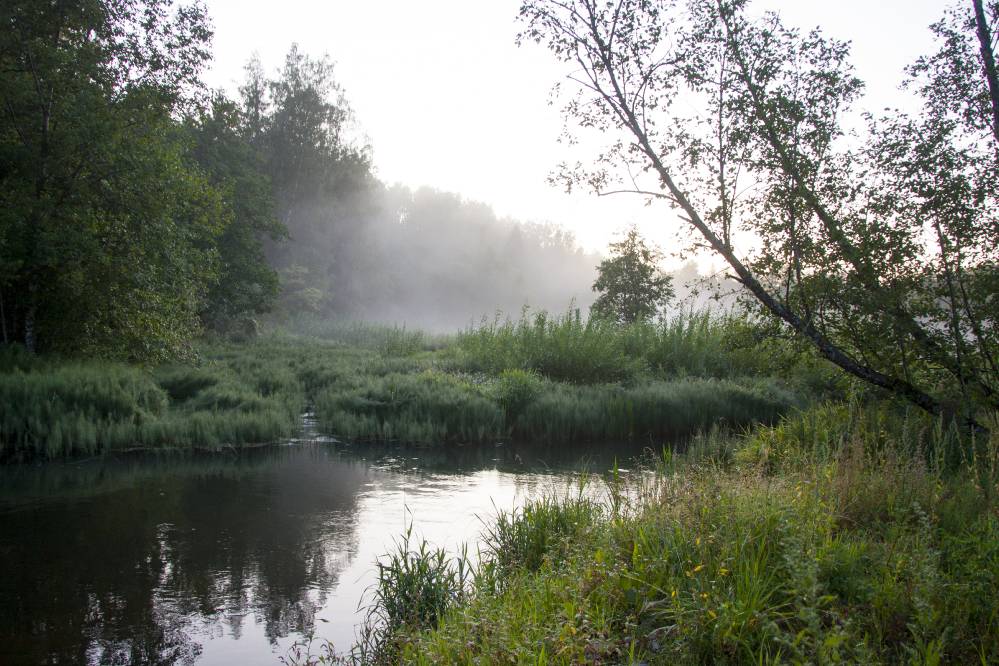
<point x="855" y="541"/>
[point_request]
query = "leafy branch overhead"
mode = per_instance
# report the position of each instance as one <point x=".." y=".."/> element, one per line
<point x="878" y="245"/>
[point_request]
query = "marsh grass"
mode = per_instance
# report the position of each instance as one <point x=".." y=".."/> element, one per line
<point x="57" y="409"/>
<point x="560" y="379"/>
<point x="544" y="379"/>
<point x="540" y="533"/>
<point x="389" y="340"/>
<point x="438" y="407"/>
<point x="858" y="543"/>
<point x="570" y="348"/>
<point x="417" y="585"/>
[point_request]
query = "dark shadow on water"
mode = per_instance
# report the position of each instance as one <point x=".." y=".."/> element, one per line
<point x="138" y="558"/>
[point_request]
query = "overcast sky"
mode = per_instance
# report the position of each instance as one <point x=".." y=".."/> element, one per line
<point x="448" y="100"/>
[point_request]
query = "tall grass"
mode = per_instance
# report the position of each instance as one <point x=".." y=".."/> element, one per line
<point x="562" y="348"/>
<point x="437" y="407"/>
<point x="540" y="533"/>
<point x="429" y="407"/>
<point x="417" y="586"/>
<point x="870" y="548"/>
<point x="390" y="340"/>
<point x="573" y="349"/>
<point x="559" y="379"/>
<point x="62" y="409"/>
<point x="655" y="411"/>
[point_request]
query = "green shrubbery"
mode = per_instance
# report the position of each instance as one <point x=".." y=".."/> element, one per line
<point x="868" y="548"/>
<point x="572" y="349"/>
<point x="434" y="406"/>
<point x="557" y="379"/>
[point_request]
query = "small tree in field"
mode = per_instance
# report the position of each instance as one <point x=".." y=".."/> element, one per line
<point x="630" y="284"/>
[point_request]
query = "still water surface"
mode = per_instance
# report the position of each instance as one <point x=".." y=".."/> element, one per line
<point x="229" y="558"/>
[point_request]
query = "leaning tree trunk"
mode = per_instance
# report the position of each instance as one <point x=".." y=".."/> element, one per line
<point x="988" y="60"/>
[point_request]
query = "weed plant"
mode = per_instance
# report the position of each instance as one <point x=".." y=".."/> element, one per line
<point x="417" y="586"/>
<point x="557" y="379"/>
<point x="52" y="409"/>
<point x="858" y="542"/>
<point x="437" y="407"/>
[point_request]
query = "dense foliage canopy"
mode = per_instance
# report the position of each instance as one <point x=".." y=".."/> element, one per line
<point x="138" y="209"/>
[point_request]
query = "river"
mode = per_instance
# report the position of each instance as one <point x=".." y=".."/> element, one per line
<point x="230" y="557"/>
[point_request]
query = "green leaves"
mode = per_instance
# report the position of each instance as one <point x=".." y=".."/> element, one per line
<point x="111" y="229"/>
<point x="873" y="244"/>
<point x="631" y="286"/>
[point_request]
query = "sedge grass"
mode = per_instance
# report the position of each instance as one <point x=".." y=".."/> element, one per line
<point x="803" y="558"/>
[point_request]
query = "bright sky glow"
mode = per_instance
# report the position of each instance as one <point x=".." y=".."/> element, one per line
<point x="448" y="100"/>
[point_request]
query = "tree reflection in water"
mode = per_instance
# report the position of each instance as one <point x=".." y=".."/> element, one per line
<point x="175" y="559"/>
<point x="140" y="561"/>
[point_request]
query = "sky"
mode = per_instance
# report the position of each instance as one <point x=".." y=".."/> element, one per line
<point x="448" y="100"/>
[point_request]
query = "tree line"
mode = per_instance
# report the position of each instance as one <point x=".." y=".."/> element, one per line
<point x="138" y="208"/>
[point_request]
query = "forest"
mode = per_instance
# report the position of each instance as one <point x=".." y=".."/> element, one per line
<point x="142" y="209"/>
<point x="803" y="447"/>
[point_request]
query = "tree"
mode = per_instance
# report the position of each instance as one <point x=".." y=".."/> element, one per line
<point x="300" y="121"/>
<point x="107" y="231"/>
<point x="630" y="284"/>
<point x="878" y="246"/>
<point x="246" y="284"/>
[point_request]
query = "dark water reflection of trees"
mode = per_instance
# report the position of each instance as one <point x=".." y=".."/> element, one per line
<point x="143" y="558"/>
<point x="120" y="562"/>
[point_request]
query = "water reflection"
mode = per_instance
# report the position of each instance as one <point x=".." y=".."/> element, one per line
<point x="228" y="558"/>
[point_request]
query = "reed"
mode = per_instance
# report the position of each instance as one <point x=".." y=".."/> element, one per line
<point x="856" y="543"/>
<point x="573" y="349"/>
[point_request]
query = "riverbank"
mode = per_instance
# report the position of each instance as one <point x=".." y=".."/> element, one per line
<point x="552" y="379"/>
<point x="842" y="535"/>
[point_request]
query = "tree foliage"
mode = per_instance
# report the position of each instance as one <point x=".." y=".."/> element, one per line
<point x="107" y="234"/>
<point x="246" y="283"/>
<point x="132" y="206"/>
<point x="301" y="123"/>
<point x="631" y="286"/>
<point x="878" y="245"/>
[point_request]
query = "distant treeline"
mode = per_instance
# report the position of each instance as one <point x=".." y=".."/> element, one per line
<point x="138" y="208"/>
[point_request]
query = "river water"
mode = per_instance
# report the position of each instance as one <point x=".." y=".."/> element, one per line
<point x="228" y="558"/>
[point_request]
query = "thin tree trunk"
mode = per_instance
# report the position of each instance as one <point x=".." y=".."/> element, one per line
<point x="618" y="101"/>
<point x="30" y="339"/>
<point x="3" y="319"/>
<point x="989" y="60"/>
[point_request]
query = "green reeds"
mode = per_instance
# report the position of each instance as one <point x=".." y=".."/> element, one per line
<point x="417" y="585"/>
<point x="540" y="532"/>
<point x="428" y="407"/>
<point x="653" y="411"/>
<point x="559" y="379"/>
<point x="63" y="409"/>
<point x="437" y="407"/>
<point x="866" y="548"/>
<point x="572" y="349"/>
